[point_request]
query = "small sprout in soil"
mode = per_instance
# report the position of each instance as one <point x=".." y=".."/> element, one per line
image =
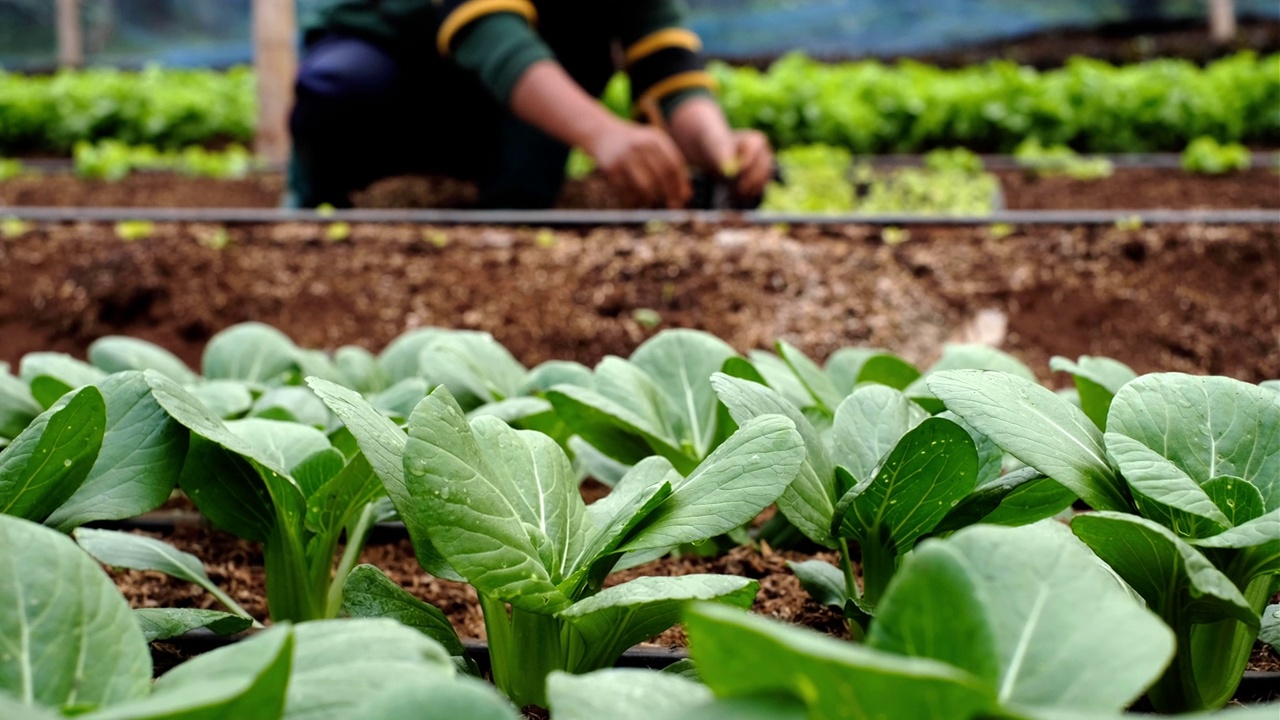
<point x="545" y="238"/>
<point x="999" y="231"/>
<point x="895" y="235"/>
<point x="1132" y="222"/>
<point x="668" y="293"/>
<point x="134" y="230"/>
<point x="646" y="318"/>
<point x="12" y="228"/>
<point x="217" y="239"/>
<point x="338" y="232"/>
<point x="325" y="210"/>
<point x="656" y="227"/>
<point x="435" y="237"/>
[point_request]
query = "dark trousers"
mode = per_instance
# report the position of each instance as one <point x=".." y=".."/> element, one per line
<point x="364" y="113"/>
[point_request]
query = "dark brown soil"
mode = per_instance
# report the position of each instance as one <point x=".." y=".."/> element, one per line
<point x="1127" y="189"/>
<point x="1143" y="188"/>
<point x="1191" y="298"/>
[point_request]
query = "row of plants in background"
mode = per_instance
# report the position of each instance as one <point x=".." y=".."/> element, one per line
<point x="866" y="107"/>
<point x="825" y="179"/>
<point x="914" y="469"/>
<point x="114" y="160"/>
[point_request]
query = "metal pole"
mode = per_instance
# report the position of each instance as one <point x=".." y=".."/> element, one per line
<point x="275" y="53"/>
<point x="70" y="35"/>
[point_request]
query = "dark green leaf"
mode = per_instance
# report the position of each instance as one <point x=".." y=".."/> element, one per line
<point x="368" y="593"/>
<point x="165" y="623"/>
<point x="44" y="466"/>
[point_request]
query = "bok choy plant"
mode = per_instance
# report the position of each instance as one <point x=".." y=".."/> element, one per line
<point x="501" y="508"/>
<point x="888" y="476"/>
<point x="72" y="647"/>
<point x="282" y="484"/>
<point x="1186" y="482"/>
<point x="992" y="622"/>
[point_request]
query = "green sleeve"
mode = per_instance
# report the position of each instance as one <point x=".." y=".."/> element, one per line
<point x="499" y="48"/>
<point x="649" y="17"/>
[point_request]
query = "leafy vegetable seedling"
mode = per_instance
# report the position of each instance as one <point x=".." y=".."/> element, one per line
<point x="889" y="476"/>
<point x="501" y="508"/>
<point x="1187" y="481"/>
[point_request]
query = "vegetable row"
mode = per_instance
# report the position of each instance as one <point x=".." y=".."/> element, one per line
<point x="941" y="486"/>
<point x="866" y="107"/>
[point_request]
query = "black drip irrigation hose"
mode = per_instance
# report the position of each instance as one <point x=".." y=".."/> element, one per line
<point x="584" y="218"/>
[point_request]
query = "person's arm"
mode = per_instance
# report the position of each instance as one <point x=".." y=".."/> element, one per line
<point x="671" y="89"/>
<point x="493" y="39"/>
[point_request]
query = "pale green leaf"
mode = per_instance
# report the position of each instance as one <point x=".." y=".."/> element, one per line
<point x="681" y="362"/>
<point x="115" y="354"/>
<point x="1097" y="380"/>
<point x="1037" y="427"/>
<point x="67" y="637"/>
<point x="623" y="694"/>
<point x="869" y="424"/>
<point x="250" y="351"/>
<point x="166" y="623"/>
<point x="460" y="698"/>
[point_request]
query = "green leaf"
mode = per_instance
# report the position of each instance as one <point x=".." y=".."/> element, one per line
<point x="1097" y="379"/>
<point x="809" y="501"/>
<point x="225" y="399"/>
<point x="472" y="510"/>
<point x="139" y="552"/>
<point x="139" y="463"/>
<point x="1270" y="632"/>
<point x="228" y="490"/>
<point x="296" y="404"/>
<point x="849" y="367"/>
<point x="1037" y="427"/>
<point x="833" y="678"/>
<point x="1053" y="612"/>
<point x="774" y="372"/>
<point x="474" y="366"/>
<point x="400" y="399"/>
<point x="11" y="709"/>
<point x="927" y="474"/>
<point x="52" y="375"/>
<point x="868" y="425"/>
<point x="335" y="673"/>
<point x="246" y="680"/>
<point x="281" y="445"/>
<point x="115" y="354"/>
<point x="401" y="359"/>
<point x="1036" y="499"/>
<point x="614" y="619"/>
<point x="824" y="582"/>
<point x="739" y="479"/>
<point x="68" y="637"/>
<point x="336" y="503"/>
<point x="165" y="623"/>
<point x="425" y="699"/>
<point x="618" y="514"/>
<point x="382" y="444"/>
<point x="964" y="357"/>
<point x="556" y="372"/>
<point x="368" y="593"/>
<point x="17" y="407"/>
<point x="681" y="362"/>
<point x="628" y="418"/>
<point x="624" y="694"/>
<point x="250" y="351"/>
<point x="360" y="370"/>
<point x="44" y="466"/>
<point x="1171" y="575"/>
<point x="1170" y="434"/>
<point x="816" y="383"/>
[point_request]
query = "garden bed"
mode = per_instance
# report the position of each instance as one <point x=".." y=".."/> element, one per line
<point x="1129" y="188"/>
<point x="1194" y="298"/>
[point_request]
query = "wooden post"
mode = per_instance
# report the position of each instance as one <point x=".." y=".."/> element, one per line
<point x="275" y="58"/>
<point x="1222" y="21"/>
<point x="70" y="36"/>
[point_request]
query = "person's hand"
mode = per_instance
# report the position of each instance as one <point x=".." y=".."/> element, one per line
<point x="644" y="161"/>
<point x="748" y="162"/>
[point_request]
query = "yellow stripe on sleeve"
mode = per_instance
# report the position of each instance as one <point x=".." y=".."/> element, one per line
<point x="473" y="10"/>
<point x="673" y="84"/>
<point x="661" y="40"/>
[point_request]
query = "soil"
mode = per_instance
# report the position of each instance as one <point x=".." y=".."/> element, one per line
<point x="1192" y="298"/>
<point x="1127" y="189"/>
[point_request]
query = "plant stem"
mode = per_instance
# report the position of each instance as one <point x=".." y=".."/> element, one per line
<point x="524" y="648"/>
<point x="356" y="539"/>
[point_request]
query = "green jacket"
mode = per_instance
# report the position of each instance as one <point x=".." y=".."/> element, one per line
<point x="498" y="40"/>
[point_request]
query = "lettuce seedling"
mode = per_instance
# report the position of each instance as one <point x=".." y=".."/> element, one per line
<point x="284" y="485"/>
<point x="887" y="476"/>
<point x="1187" y="479"/>
<point x="658" y="402"/>
<point x="986" y="623"/>
<point x="501" y="508"/>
